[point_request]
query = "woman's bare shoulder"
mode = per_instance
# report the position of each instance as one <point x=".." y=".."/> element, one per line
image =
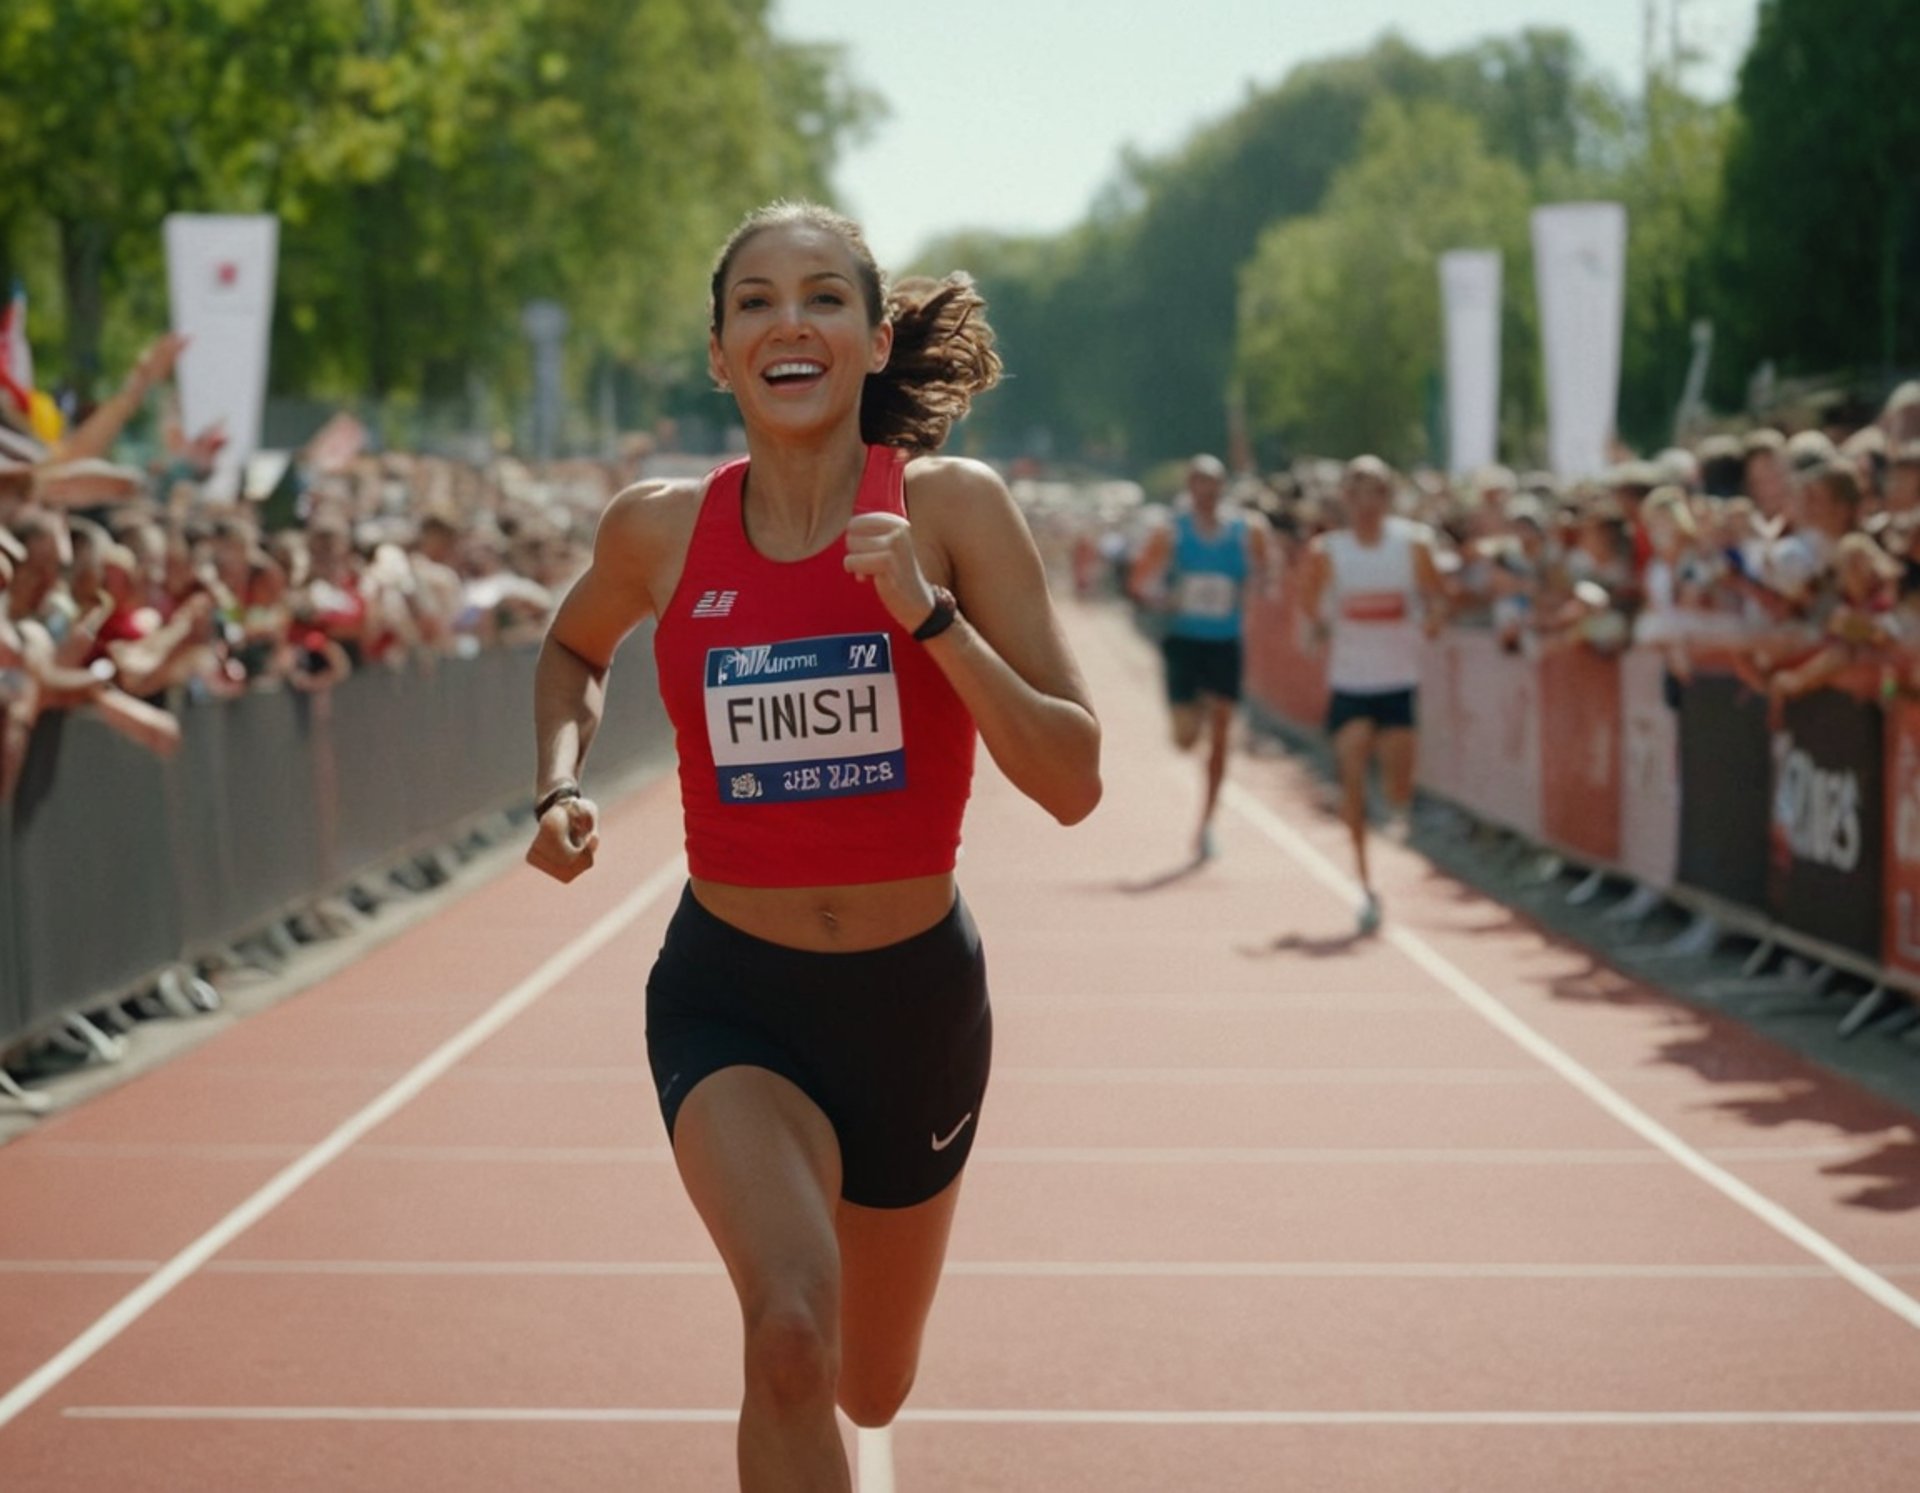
<point x="650" y="518"/>
<point x="958" y="494"/>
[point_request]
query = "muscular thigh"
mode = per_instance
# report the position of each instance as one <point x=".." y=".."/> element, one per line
<point x="762" y="1168"/>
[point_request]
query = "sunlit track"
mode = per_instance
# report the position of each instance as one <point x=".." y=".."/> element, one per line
<point x="1253" y="1206"/>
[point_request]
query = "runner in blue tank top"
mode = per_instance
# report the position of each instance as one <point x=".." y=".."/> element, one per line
<point x="1196" y="572"/>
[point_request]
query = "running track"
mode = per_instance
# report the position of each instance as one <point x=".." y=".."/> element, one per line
<point x="1254" y="1207"/>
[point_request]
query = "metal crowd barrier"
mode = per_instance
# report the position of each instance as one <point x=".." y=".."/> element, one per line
<point x="1798" y="829"/>
<point x="115" y="865"/>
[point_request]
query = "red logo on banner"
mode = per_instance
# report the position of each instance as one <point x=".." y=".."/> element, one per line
<point x="227" y="273"/>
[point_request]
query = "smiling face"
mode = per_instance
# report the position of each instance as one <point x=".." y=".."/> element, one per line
<point x="794" y="340"/>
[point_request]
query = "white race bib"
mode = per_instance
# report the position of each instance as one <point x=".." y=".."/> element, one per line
<point x="807" y="718"/>
<point x="1207" y="594"/>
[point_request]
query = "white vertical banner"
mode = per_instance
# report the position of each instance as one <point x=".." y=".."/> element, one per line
<point x="1470" y="306"/>
<point x="1580" y="271"/>
<point x="220" y="274"/>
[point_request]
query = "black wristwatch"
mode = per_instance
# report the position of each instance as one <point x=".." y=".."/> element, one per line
<point x="945" y="612"/>
<point x="563" y="794"/>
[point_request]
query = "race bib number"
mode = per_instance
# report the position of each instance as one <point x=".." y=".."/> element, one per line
<point x="1207" y="594"/>
<point x="808" y="718"/>
<point x="1375" y="606"/>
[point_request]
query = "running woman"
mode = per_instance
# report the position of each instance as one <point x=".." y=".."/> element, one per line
<point x="835" y="615"/>
<point x="1196" y="571"/>
<point x="1364" y="585"/>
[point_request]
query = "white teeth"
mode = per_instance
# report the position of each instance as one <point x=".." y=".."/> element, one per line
<point x="794" y="370"/>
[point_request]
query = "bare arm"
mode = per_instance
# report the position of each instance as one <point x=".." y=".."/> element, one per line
<point x="607" y="602"/>
<point x="1314" y="573"/>
<point x="102" y="428"/>
<point x="1005" y="656"/>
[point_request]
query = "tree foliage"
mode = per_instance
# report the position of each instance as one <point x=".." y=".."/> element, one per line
<point x="435" y="163"/>
<point x="1121" y="334"/>
<point x="1819" y="249"/>
<point x="1339" y="310"/>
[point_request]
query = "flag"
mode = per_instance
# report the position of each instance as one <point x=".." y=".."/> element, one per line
<point x="16" y="353"/>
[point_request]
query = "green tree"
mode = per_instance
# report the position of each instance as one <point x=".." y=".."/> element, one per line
<point x="1340" y="311"/>
<point x="1820" y="247"/>
<point x="435" y="163"/>
<point x="1121" y="334"/>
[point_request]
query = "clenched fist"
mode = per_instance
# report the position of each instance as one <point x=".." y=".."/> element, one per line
<point x="568" y="838"/>
<point x="880" y="550"/>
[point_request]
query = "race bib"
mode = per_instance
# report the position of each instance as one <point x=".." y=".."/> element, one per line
<point x="1207" y="594"/>
<point x="1375" y="606"/>
<point x="808" y="718"/>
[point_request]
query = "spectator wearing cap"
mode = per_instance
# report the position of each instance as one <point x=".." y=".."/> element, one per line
<point x="1630" y="483"/>
<point x="1764" y="480"/>
<point x="1903" y="479"/>
<point x="1866" y="449"/>
<point x="1799" y="562"/>
<point x="1901" y="418"/>
<point x="1808" y="450"/>
<point x="1677" y="467"/>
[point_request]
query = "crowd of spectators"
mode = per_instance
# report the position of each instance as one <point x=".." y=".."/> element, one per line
<point x="131" y="592"/>
<point x="1795" y="558"/>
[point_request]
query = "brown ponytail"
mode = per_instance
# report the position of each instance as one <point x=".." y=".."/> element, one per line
<point x="943" y="351"/>
<point x="943" y="355"/>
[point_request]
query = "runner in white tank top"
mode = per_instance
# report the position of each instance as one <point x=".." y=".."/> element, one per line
<point x="1366" y="585"/>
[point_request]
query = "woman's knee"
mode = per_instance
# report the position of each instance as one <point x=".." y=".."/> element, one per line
<point x="872" y="1400"/>
<point x="793" y="1344"/>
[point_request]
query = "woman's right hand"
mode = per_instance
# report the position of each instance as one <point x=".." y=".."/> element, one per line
<point x="567" y="840"/>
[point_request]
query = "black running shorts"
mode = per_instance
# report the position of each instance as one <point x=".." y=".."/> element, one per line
<point x="893" y="1044"/>
<point x="1201" y="666"/>
<point x="1388" y="709"/>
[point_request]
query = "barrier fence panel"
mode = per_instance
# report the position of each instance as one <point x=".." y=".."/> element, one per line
<point x="1580" y="771"/>
<point x="13" y="1010"/>
<point x="1726" y="776"/>
<point x="1650" y="771"/>
<point x="268" y="803"/>
<point x="1827" y="864"/>
<point x="95" y="892"/>
<point x="1812" y="823"/>
<point x="1902" y="905"/>
<point x="1480" y="712"/>
<point x="114" y="864"/>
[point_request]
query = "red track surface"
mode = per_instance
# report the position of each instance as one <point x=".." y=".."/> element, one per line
<point x="1254" y="1207"/>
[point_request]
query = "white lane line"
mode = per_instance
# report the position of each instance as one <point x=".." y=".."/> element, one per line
<point x="1272" y="1077"/>
<point x="634" y="1415"/>
<point x="283" y="1184"/>
<point x="1503" y="1019"/>
<point x="874" y="1459"/>
<point x="1011" y="1269"/>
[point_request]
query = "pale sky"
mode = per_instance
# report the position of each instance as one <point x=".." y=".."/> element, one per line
<point x="1011" y="114"/>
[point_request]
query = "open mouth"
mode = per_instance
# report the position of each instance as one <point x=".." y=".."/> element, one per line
<point x="795" y="373"/>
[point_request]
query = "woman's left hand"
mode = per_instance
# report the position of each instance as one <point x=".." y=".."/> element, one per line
<point x="880" y="550"/>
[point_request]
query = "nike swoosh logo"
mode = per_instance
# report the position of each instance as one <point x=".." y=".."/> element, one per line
<point x="941" y="1145"/>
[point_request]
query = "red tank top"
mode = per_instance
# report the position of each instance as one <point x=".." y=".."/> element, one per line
<point x="819" y="744"/>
